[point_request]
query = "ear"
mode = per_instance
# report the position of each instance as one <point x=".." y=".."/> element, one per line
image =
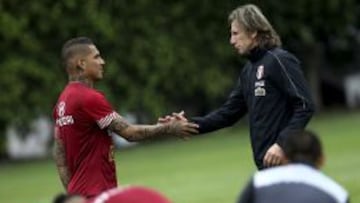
<point x="80" y="63"/>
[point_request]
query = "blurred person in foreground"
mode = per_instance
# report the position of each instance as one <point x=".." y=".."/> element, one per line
<point x="127" y="194"/>
<point x="84" y="120"/>
<point x="271" y="89"/>
<point x="299" y="180"/>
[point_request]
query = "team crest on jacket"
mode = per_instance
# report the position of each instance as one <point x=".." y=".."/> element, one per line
<point x="260" y="72"/>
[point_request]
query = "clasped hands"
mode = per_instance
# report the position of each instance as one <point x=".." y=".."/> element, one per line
<point x="179" y="124"/>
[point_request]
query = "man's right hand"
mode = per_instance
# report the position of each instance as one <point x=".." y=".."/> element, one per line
<point x="179" y="125"/>
<point x="181" y="128"/>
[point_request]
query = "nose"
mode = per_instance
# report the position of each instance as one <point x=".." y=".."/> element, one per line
<point x="102" y="61"/>
<point x="232" y="41"/>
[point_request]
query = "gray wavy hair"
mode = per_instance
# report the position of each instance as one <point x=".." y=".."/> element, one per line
<point x="253" y="20"/>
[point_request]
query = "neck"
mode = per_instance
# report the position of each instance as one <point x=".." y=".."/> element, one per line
<point x="81" y="79"/>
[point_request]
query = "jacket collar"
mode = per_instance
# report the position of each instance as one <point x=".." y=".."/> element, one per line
<point x="256" y="53"/>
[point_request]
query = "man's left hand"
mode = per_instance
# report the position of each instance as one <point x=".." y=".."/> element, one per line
<point x="274" y="156"/>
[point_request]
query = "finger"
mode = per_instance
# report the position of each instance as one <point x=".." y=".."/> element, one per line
<point x="189" y="131"/>
<point x="179" y="116"/>
<point x="165" y="119"/>
<point x="277" y="161"/>
<point x="192" y="130"/>
<point x="162" y="120"/>
<point x="193" y="125"/>
<point x="271" y="161"/>
<point x="266" y="160"/>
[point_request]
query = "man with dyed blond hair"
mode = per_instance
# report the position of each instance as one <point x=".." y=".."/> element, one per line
<point x="271" y="89"/>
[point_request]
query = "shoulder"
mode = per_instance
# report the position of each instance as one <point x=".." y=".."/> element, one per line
<point x="91" y="94"/>
<point x="279" y="60"/>
<point x="80" y="91"/>
<point x="279" y="56"/>
<point x="310" y="177"/>
<point x="92" y="98"/>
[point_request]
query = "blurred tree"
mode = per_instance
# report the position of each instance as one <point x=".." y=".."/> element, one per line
<point x="28" y="79"/>
<point x="168" y="53"/>
<point x="160" y="55"/>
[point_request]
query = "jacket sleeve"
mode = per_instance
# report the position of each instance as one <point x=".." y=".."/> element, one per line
<point x="247" y="195"/>
<point x="230" y="112"/>
<point x="290" y="79"/>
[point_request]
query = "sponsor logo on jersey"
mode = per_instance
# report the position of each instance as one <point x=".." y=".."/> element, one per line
<point x="61" y="109"/>
<point x="63" y="119"/>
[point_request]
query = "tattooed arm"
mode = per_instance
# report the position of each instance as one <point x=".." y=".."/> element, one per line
<point x="139" y="132"/>
<point x="60" y="160"/>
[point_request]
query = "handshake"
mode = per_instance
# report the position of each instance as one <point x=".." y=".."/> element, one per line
<point x="178" y="125"/>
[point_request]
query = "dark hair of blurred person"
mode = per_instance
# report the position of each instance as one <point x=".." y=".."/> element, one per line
<point x="63" y="198"/>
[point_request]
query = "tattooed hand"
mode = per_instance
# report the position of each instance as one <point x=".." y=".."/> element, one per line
<point x="181" y="128"/>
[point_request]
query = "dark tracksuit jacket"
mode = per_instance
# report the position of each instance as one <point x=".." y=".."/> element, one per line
<point x="273" y="91"/>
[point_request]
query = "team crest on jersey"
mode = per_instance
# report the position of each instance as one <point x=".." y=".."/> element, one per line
<point x="260" y="72"/>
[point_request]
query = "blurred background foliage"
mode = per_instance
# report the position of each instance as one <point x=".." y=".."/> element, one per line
<point x="162" y="56"/>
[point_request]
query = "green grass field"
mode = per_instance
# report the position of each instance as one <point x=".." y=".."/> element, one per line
<point x="205" y="169"/>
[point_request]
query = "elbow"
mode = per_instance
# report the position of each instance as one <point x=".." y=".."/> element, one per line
<point x="129" y="138"/>
<point x="308" y="110"/>
<point x="308" y="105"/>
<point x="311" y="108"/>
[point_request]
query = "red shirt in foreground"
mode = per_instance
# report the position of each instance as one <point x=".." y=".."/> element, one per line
<point x="130" y="194"/>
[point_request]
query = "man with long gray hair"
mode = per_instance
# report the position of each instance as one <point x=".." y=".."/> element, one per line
<point x="271" y="88"/>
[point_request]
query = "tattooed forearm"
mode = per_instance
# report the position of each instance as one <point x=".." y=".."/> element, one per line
<point x="119" y="125"/>
<point x="144" y="132"/>
<point x="60" y="160"/>
<point x="140" y="132"/>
